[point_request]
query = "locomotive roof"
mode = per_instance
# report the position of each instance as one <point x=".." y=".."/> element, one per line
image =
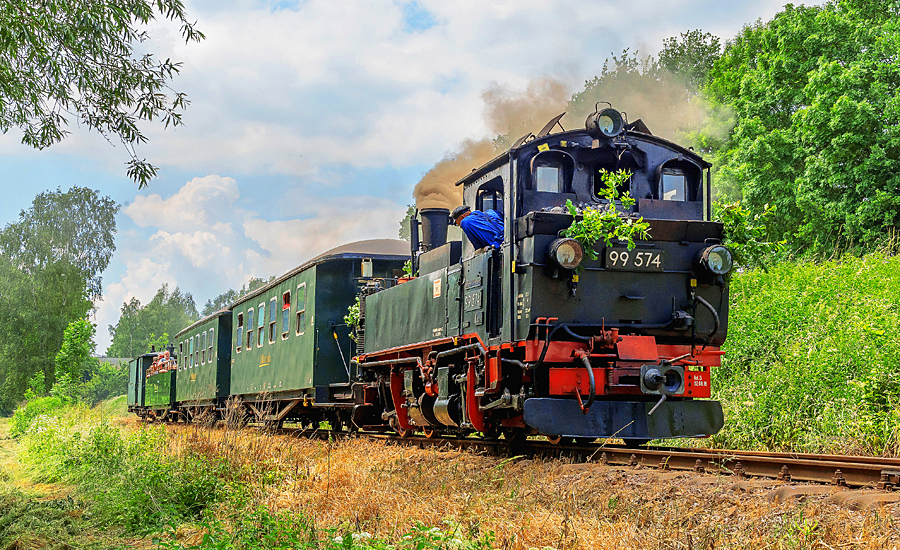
<point x="377" y="249"/>
<point x="500" y="159"/>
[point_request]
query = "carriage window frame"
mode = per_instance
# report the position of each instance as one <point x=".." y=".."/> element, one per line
<point x="191" y="353"/>
<point x="239" y="341"/>
<point x="197" y="351"/>
<point x="286" y="315"/>
<point x="273" y="318"/>
<point x="250" y="329"/>
<point x="203" y="336"/>
<point x="180" y="356"/>
<point x="211" y="350"/>
<point x="301" y="312"/>
<point x="260" y="324"/>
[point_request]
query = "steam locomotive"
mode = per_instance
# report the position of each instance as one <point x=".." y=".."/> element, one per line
<point x="531" y="338"/>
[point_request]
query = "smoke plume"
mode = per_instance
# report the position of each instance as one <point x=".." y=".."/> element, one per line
<point x="506" y="113"/>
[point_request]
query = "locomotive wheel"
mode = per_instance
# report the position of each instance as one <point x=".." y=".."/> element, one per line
<point x="404" y="433"/>
<point x="554" y="439"/>
<point x="430" y="432"/>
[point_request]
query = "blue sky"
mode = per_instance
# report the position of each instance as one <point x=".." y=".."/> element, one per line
<point x="312" y="120"/>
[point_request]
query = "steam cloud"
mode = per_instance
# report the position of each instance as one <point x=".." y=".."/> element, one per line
<point x="506" y="113"/>
<point x="668" y="106"/>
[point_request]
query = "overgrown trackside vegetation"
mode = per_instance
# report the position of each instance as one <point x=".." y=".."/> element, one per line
<point x="813" y="358"/>
<point x="251" y="490"/>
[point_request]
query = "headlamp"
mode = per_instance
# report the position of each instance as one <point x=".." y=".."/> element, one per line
<point x="566" y="252"/>
<point x="608" y="123"/>
<point x="717" y="259"/>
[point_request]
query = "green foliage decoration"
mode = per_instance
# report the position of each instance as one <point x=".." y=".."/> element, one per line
<point x="352" y="318"/>
<point x="607" y="223"/>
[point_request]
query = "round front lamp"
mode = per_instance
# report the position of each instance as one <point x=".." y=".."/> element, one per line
<point x="608" y="123"/>
<point x="717" y="259"/>
<point x="566" y="252"/>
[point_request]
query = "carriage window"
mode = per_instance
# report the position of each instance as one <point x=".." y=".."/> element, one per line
<point x="285" y="314"/>
<point x="191" y="354"/>
<point x="261" y="325"/>
<point x="273" y="316"/>
<point x="240" y="332"/>
<point x="250" y="328"/>
<point x="546" y="178"/>
<point x="180" y="356"/>
<point x="301" y="308"/>
<point x="203" y="349"/>
<point x="197" y="352"/>
<point x="673" y="185"/>
<point x="210" y="349"/>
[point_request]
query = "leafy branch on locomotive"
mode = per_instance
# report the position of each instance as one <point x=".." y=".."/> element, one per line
<point x="496" y="341"/>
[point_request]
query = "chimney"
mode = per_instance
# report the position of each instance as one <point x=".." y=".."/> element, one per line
<point x="435" y="222"/>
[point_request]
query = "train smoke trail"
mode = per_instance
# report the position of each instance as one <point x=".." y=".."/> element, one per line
<point x="508" y="114"/>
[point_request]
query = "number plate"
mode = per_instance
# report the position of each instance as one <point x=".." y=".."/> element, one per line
<point x="634" y="260"/>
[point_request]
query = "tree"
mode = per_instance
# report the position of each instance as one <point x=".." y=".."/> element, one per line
<point x="76" y="228"/>
<point x="230" y="296"/>
<point x="690" y="56"/>
<point x="816" y="96"/>
<point x="61" y="59"/>
<point x="404" y="232"/>
<point x="167" y="313"/>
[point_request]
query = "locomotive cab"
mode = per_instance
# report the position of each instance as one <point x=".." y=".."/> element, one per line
<point x="536" y="337"/>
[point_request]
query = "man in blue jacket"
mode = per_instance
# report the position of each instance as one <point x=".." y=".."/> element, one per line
<point x="483" y="229"/>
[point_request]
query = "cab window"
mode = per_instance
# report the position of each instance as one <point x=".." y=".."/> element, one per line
<point x="673" y="185"/>
<point x="551" y="172"/>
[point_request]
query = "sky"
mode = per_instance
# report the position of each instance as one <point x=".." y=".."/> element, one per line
<point x="312" y="120"/>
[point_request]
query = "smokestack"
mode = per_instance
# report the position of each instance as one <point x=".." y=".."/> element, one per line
<point x="435" y="222"/>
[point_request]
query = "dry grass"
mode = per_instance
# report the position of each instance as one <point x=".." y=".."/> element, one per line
<point x="364" y="485"/>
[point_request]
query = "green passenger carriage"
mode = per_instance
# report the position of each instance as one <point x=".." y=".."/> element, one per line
<point x="203" y="378"/>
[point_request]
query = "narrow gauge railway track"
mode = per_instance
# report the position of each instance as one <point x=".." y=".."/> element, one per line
<point x="840" y="470"/>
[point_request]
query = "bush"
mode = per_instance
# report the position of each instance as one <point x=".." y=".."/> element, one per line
<point x="25" y="415"/>
<point x="131" y="480"/>
<point x="813" y="355"/>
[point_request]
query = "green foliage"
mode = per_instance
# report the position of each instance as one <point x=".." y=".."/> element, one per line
<point x="230" y="296"/>
<point x="51" y="261"/>
<point x="77" y="348"/>
<point x="747" y="235"/>
<point x="607" y="222"/>
<point x="157" y="343"/>
<point x="352" y="318"/>
<point x="811" y="358"/>
<point x="25" y="415"/>
<point x="167" y="313"/>
<point x="265" y="530"/>
<point x="814" y="94"/>
<point x="73" y="229"/>
<point x="690" y="55"/>
<point x="404" y="232"/>
<point x="407" y="268"/>
<point x="65" y="58"/>
<point x="130" y="480"/>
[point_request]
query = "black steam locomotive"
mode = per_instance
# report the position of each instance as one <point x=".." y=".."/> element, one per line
<point x="534" y="338"/>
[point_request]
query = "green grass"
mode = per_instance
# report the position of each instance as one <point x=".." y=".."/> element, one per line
<point x="813" y="358"/>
